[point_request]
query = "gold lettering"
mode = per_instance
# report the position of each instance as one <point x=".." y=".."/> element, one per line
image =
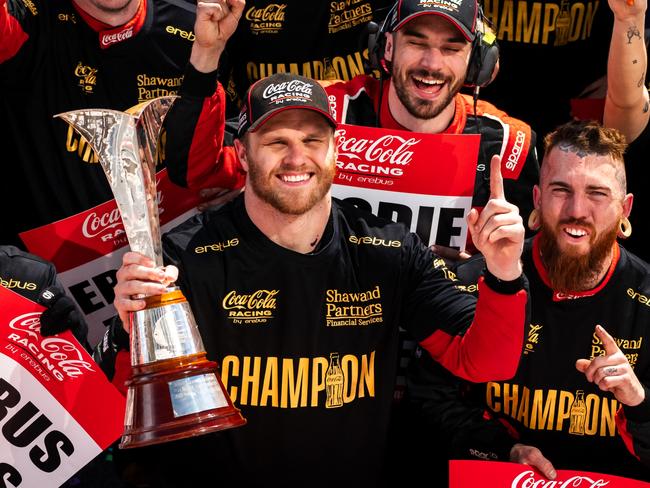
<point x="294" y="388"/>
<point x="551" y="12"/>
<point x="318" y="379"/>
<point x="226" y="365"/>
<point x="350" y="367"/>
<point x="510" y="399"/>
<point x="367" y="382"/>
<point x="250" y="379"/>
<point x="529" y="29"/>
<point x="543" y="410"/>
<point x="270" y="386"/>
<point x="506" y="26"/>
<point x="564" y="408"/>
<point x="493" y="391"/>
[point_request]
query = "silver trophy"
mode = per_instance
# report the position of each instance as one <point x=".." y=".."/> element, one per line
<point x="174" y="391"/>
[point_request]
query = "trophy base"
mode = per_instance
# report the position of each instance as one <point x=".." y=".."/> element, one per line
<point x="175" y="399"/>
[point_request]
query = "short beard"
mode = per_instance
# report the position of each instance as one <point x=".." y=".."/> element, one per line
<point x="422" y="109"/>
<point x="569" y="272"/>
<point x="286" y="203"/>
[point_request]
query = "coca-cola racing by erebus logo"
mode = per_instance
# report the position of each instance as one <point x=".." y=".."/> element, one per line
<point x="386" y="155"/>
<point x="50" y="357"/>
<point x="277" y="93"/>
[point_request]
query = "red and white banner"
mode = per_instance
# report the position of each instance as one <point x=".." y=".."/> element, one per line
<point x="87" y="249"/>
<point x="493" y="474"/>
<point x="425" y="181"/>
<point x="57" y="409"/>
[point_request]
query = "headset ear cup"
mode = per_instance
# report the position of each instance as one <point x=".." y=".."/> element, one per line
<point x="482" y="64"/>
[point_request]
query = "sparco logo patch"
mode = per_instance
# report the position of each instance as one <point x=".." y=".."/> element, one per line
<point x="513" y="157"/>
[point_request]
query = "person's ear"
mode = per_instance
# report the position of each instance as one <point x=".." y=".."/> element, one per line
<point x="240" y="149"/>
<point x="390" y="46"/>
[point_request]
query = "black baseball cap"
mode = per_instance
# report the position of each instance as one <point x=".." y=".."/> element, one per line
<point x="461" y="13"/>
<point x="276" y="93"/>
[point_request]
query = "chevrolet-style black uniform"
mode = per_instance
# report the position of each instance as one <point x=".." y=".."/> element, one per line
<point x="549" y="404"/>
<point x="307" y="343"/>
<point x="55" y="58"/>
<point x="198" y="118"/>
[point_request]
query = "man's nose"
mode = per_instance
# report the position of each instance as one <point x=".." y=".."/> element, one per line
<point x="577" y="207"/>
<point x="432" y="59"/>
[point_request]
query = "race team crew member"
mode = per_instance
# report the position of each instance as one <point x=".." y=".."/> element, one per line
<point x="298" y="297"/>
<point x="427" y="51"/>
<point x="69" y="55"/>
<point x="37" y="280"/>
<point x="589" y="299"/>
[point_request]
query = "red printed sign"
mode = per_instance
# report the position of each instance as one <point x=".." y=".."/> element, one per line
<point x="87" y="249"/>
<point x="59" y="410"/>
<point x="493" y="474"/>
<point x="425" y="181"/>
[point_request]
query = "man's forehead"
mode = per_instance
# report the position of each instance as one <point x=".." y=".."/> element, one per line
<point x="575" y="163"/>
<point x="422" y="23"/>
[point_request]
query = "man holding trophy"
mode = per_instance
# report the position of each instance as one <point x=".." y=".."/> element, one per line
<point x="298" y="297"/>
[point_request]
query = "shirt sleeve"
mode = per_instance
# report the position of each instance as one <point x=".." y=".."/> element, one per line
<point x="199" y="151"/>
<point x="475" y="339"/>
<point x="13" y="34"/>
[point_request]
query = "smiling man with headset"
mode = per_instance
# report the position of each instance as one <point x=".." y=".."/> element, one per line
<point x="426" y="51"/>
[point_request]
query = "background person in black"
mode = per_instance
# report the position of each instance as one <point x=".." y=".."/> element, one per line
<point x="337" y="282"/>
<point x="320" y="39"/>
<point x="69" y="55"/>
<point x="579" y="399"/>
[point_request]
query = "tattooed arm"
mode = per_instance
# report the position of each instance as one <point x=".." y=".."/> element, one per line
<point x="627" y="105"/>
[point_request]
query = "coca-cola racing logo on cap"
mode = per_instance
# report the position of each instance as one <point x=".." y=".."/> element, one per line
<point x="277" y="93"/>
<point x="48" y="356"/>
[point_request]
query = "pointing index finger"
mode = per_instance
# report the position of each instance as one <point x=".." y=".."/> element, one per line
<point x="496" y="180"/>
<point x="608" y="341"/>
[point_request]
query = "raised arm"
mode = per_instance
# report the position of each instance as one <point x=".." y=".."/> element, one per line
<point x="627" y="107"/>
<point x="198" y="156"/>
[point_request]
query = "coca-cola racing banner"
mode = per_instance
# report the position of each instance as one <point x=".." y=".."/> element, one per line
<point x="57" y="409"/>
<point x="494" y="474"/>
<point x="425" y="181"/>
<point x="87" y="249"/>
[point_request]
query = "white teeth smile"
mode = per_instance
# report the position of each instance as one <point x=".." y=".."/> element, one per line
<point x="428" y="82"/>
<point x="575" y="232"/>
<point x="294" y="178"/>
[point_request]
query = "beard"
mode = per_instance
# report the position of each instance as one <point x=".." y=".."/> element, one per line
<point x="290" y="202"/>
<point x="418" y="108"/>
<point x="573" y="271"/>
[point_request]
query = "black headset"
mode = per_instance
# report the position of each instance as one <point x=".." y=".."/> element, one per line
<point x="482" y="62"/>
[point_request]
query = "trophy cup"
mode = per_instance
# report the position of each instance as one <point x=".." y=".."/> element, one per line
<point x="174" y="391"/>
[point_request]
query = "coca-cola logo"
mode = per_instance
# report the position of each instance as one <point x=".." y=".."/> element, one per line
<point x="527" y="480"/>
<point x="271" y="13"/>
<point x="293" y="87"/>
<point x="113" y="37"/>
<point x="388" y="149"/>
<point x="55" y="356"/>
<point x="95" y="224"/>
<point x="110" y="222"/>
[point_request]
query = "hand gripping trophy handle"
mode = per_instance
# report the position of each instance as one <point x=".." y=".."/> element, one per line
<point x="174" y="391"/>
